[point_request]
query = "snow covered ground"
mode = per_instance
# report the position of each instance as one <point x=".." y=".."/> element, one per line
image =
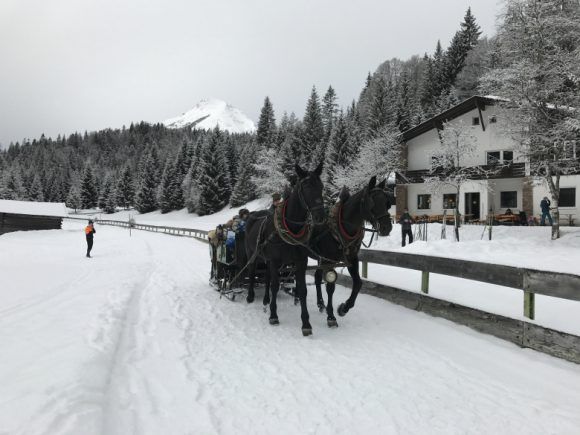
<point x="135" y="341"/>
<point x="514" y="246"/>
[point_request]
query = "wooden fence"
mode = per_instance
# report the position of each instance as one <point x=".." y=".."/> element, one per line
<point x="531" y="281"/>
<point x="174" y="231"/>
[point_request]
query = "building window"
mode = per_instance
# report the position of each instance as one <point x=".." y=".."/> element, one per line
<point x="508" y="199"/>
<point x="475" y="120"/>
<point x="508" y="156"/>
<point x="449" y="200"/>
<point x="567" y="197"/>
<point x="492" y="119"/>
<point x="423" y="202"/>
<point x="493" y="158"/>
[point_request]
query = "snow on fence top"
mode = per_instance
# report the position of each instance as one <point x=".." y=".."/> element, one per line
<point x="56" y="209"/>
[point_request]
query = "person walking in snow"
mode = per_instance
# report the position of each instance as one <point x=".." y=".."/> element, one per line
<point x="406" y="222"/>
<point x="89" y="231"/>
<point x="545" y="206"/>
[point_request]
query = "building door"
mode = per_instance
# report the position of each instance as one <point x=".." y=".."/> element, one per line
<point x="472" y="206"/>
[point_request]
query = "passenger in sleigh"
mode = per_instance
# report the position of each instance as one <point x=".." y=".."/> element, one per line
<point x="224" y="243"/>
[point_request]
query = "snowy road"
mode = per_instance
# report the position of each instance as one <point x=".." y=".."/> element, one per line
<point x="133" y="341"/>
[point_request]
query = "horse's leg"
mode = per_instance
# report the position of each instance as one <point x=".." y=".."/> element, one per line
<point x="274" y="287"/>
<point x="266" y="300"/>
<point x="330" y="320"/>
<point x="301" y="288"/>
<point x="356" y="286"/>
<point x="318" y="282"/>
<point x="251" y="276"/>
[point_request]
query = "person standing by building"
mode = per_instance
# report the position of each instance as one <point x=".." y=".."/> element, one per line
<point x="545" y="206"/>
<point x="89" y="231"/>
<point x="406" y="222"/>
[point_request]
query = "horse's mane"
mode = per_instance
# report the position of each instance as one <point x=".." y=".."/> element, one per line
<point x="255" y="215"/>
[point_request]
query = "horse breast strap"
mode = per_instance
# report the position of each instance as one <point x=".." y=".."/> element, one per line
<point x="348" y="242"/>
<point x="300" y="238"/>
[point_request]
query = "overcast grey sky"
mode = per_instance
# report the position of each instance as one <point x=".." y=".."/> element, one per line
<point x="75" y="65"/>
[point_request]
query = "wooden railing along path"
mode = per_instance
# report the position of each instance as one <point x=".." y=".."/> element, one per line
<point x="174" y="231"/>
<point x="529" y="281"/>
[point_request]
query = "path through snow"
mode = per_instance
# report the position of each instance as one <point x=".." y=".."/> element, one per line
<point x="134" y="341"/>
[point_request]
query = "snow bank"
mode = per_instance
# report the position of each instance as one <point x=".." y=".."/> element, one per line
<point x="33" y="208"/>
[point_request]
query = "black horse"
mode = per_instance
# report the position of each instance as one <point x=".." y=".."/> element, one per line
<point x="339" y="239"/>
<point x="281" y="238"/>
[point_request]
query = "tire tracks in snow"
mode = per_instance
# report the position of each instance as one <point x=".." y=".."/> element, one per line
<point x="84" y="405"/>
<point x="126" y="355"/>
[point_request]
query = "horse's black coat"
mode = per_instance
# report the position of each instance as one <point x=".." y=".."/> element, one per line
<point x="303" y="203"/>
<point x="371" y="204"/>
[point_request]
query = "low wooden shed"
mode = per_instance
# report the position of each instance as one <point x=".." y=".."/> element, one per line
<point x="28" y="215"/>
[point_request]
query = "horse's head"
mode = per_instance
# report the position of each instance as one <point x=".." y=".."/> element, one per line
<point x="376" y="207"/>
<point x="309" y="188"/>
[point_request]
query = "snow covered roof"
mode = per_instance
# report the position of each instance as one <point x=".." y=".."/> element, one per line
<point x="32" y="208"/>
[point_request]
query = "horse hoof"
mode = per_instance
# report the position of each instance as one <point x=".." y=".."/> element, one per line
<point x="274" y="322"/>
<point x="249" y="299"/>
<point x="332" y="323"/>
<point x="265" y="308"/>
<point x="342" y="310"/>
<point x="306" y="332"/>
<point x="321" y="307"/>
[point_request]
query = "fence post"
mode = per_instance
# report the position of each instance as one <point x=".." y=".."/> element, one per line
<point x="529" y="305"/>
<point x="425" y="282"/>
<point x="365" y="269"/>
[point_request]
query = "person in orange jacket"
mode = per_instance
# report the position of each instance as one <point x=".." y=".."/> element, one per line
<point x="89" y="231"/>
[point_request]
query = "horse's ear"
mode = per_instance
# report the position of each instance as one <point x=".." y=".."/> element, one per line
<point x="344" y="194"/>
<point x="318" y="170"/>
<point x="301" y="172"/>
<point x="373" y="182"/>
<point x="382" y="184"/>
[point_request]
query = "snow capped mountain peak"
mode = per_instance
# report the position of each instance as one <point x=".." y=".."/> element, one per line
<point x="209" y="113"/>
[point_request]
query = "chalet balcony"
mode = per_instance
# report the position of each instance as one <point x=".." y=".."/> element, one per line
<point x="513" y="170"/>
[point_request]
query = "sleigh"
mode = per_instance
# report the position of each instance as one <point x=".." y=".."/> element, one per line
<point x="229" y="271"/>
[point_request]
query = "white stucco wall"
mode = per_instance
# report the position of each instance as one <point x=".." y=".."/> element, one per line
<point x="505" y="185"/>
<point x="413" y="190"/>
<point x="422" y="147"/>
<point x="489" y="194"/>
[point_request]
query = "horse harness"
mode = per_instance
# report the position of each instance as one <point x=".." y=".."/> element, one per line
<point x="351" y="243"/>
<point x="302" y="237"/>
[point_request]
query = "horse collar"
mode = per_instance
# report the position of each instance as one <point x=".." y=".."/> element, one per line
<point x="349" y="244"/>
<point x="343" y="231"/>
<point x="284" y="231"/>
<point x="297" y="235"/>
